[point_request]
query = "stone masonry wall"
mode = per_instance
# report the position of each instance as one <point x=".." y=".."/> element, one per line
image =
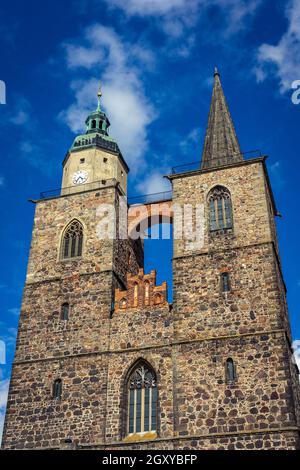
<point x="252" y="305"/>
<point x="187" y="346"/>
<point x="246" y="184"/>
<point x="259" y="398"/>
<point x="51" y="218"/>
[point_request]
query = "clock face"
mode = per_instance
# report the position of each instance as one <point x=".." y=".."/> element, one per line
<point x="80" y="177"/>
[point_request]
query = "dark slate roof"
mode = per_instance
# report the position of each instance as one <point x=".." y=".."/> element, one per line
<point x="221" y="146"/>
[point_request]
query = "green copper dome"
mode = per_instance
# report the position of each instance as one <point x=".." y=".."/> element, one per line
<point x="97" y="121"/>
<point x="96" y="135"/>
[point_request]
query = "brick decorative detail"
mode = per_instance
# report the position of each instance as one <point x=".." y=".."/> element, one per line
<point x="142" y="291"/>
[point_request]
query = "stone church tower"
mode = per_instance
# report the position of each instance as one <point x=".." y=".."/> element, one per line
<point x="103" y="361"/>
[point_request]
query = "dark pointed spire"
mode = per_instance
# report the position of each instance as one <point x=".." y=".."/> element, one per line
<point x="221" y="146"/>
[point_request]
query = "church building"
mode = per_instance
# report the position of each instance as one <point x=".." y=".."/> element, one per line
<point x="104" y="361"/>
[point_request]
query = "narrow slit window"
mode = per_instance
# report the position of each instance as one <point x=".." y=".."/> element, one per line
<point x="225" y="281"/>
<point x="65" y="311"/>
<point x="57" y="389"/>
<point x="230" y="370"/>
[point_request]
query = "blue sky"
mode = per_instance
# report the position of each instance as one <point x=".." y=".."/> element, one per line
<point x="155" y="59"/>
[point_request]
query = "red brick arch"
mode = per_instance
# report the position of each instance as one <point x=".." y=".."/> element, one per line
<point x="147" y="215"/>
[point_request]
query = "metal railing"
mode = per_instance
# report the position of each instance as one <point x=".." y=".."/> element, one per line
<point x="142" y="199"/>
<point x="150" y="198"/>
<point x="215" y="162"/>
<point x="77" y="189"/>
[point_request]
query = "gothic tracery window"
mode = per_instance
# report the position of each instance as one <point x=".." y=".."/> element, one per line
<point x="142" y="400"/>
<point x="72" y="241"/>
<point x="220" y="209"/>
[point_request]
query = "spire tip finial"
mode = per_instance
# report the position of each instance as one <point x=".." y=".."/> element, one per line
<point x="216" y="73"/>
<point x="99" y="94"/>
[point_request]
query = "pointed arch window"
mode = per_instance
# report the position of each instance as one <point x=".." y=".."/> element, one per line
<point x="220" y="209"/>
<point x="142" y="400"/>
<point x="57" y="389"/>
<point x="72" y="241"/>
<point x="230" y="370"/>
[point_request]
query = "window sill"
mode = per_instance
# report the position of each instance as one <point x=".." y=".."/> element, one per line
<point x="68" y="260"/>
<point x="222" y="231"/>
<point x="142" y="436"/>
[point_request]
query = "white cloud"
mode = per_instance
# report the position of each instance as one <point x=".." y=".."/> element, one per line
<point x="4" y="385"/>
<point x="276" y="174"/>
<point x="129" y="111"/>
<point x="282" y="59"/>
<point x="34" y="156"/>
<point x="182" y="20"/>
<point x="82" y="56"/>
<point x="178" y="15"/>
<point x="154" y="183"/>
<point x="192" y="140"/>
<point x="8" y="336"/>
<point x="150" y="7"/>
<point x="14" y="311"/>
<point x="20" y="116"/>
<point x="296" y="349"/>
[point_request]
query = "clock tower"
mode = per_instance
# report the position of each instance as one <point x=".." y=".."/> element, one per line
<point x="94" y="157"/>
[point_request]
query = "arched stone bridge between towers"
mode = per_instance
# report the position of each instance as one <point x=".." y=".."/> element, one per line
<point x="146" y="211"/>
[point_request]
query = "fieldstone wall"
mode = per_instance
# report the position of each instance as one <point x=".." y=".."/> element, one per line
<point x="187" y="345"/>
<point x="252" y="305"/>
<point x="99" y="255"/>
<point x="259" y="398"/>
<point x="43" y="333"/>
<point x="36" y="419"/>
<point x="247" y="186"/>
